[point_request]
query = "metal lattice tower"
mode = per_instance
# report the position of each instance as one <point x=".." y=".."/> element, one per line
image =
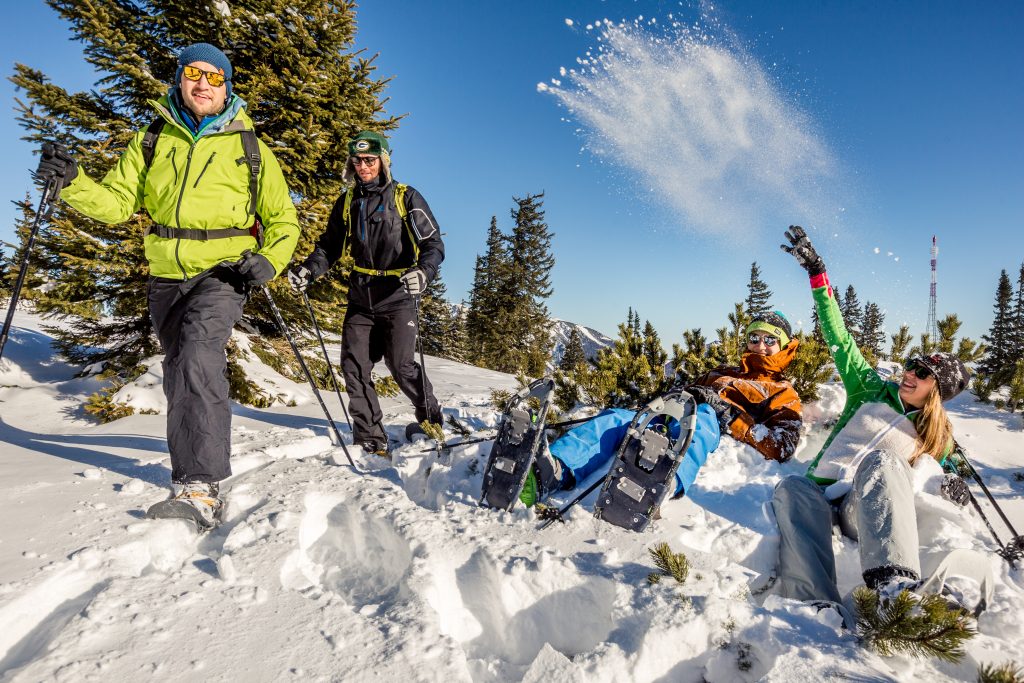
<point x="933" y="325"/>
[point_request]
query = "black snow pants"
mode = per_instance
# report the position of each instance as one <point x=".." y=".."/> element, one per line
<point x="367" y="337"/>
<point x="193" y="320"/>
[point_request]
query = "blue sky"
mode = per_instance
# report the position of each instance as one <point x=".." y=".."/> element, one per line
<point x="911" y="108"/>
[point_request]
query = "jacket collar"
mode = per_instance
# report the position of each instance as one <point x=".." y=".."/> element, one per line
<point x="771" y="366"/>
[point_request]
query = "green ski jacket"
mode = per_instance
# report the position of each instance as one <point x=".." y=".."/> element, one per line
<point x="200" y="182"/>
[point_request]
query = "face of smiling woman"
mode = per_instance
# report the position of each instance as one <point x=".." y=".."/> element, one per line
<point x="200" y="97"/>
<point x="914" y="390"/>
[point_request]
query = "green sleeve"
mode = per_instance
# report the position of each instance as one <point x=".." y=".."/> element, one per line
<point x="858" y="376"/>
<point x="275" y="207"/>
<point x="120" y="193"/>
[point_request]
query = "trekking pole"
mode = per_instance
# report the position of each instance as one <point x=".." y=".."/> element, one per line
<point x="1014" y="548"/>
<point x="553" y="425"/>
<point x="423" y="364"/>
<point x="44" y="209"/>
<point x="309" y="376"/>
<point x="327" y="359"/>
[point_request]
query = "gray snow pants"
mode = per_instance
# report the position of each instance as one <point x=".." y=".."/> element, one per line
<point x="367" y="337"/>
<point x="878" y="512"/>
<point x="193" y="320"/>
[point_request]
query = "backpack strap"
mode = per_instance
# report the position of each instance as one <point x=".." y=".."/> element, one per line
<point x="149" y="139"/>
<point x="251" y="147"/>
<point x="403" y="212"/>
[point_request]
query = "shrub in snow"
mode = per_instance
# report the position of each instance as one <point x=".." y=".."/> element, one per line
<point x="919" y="625"/>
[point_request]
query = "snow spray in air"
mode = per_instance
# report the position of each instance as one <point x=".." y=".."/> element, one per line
<point x="700" y="123"/>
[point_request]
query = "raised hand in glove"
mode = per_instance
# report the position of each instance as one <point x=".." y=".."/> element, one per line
<point x="803" y="251"/>
<point x="300" y="277"/>
<point x="255" y="269"/>
<point x="725" y="411"/>
<point x="56" y="163"/>
<point x="954" y="489"/>
<point x="414" y="280"/>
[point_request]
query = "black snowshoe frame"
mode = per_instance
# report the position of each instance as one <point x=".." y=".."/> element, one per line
<point x="515" y="446"/>
<point x="646" y="462"/>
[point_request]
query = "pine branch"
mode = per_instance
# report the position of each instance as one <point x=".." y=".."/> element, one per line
<point x="1007" y="672"/>
<point x="670" y="563"/>
<point x="916" y="625"/>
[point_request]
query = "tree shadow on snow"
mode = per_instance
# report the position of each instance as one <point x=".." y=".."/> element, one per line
<point x="79" y="448"/>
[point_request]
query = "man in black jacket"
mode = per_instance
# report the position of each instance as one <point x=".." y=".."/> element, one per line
<point x="397" y="249"/>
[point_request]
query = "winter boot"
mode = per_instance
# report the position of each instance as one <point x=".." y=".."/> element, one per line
<point x="544" y="478"/>
<point x="198" y="501"/>
<point x="376" y="447"/>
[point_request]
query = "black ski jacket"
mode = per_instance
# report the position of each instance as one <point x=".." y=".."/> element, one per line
<point x="379" y="241"/>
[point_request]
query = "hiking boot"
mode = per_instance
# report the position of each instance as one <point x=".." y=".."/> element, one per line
<point x="847" y="620"/>
<point x="545" y="476"/>
<point x="375" y="447"/>
<point x="197" y="500"/>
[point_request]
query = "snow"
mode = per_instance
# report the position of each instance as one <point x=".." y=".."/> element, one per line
<point x="393" y="572"/>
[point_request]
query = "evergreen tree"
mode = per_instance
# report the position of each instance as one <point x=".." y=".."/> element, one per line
<point x="900" y="341"/>
<point x="435" y="318"/>
<point x="733" y="340"/>
<point x="1018" y="316"/>
<point x="853" y="315"/>
<point x="457" y="344"/>
<point x="307" y="95"/>
<point x="695" y="358"/>
<point x="873" y="333"/>
<point x="1001" y="356"/>
<point x="926" y="346"/>
<point x="656" y="357"/>
<point x="574" y="357"/>
<point x="622" y="375"/>
<point x="811" y="367"/>
<point x="528" y="286"/>
<point x="758" y="294"/>
<point x="485" y="338"/>
<point x="1015" y="396"/>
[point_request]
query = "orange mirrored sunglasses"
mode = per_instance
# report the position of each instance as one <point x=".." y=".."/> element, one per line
<point x="212" y="77"/>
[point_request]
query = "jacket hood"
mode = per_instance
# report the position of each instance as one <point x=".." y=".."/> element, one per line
<point x="232" y="119"/>
<point x="769" y="366"/>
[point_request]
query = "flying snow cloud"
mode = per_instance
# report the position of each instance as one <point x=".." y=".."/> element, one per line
<point x="702" y="125"/>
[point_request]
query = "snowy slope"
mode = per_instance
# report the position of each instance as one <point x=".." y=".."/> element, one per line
<point x="394" y="573"/>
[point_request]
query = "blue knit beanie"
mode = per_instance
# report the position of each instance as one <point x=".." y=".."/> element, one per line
<point x="204" y="52"/>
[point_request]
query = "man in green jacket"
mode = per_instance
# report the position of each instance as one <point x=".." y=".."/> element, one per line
<point x="199" y="181"/>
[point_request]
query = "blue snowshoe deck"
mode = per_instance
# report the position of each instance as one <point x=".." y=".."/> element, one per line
<point x="643" y="472"/>
<point x="515" y="446"/>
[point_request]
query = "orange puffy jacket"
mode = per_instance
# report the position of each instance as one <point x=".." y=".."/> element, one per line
<point x="769" y="418"/>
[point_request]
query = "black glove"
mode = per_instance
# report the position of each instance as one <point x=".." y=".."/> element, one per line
<point x="803" y="251"/>
<point x="55" y="163"/>
<point x="954" y="489"/>
<point x="725" y="411"/>
<point x="255" y="269"/>
<point x="414" y="280"/>
<point x="300" y="277"/>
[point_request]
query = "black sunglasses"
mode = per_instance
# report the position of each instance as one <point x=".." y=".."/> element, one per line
<point x="921" y="371"/>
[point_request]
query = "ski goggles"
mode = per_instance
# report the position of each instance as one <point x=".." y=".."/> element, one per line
<point x="919" y="370"/>
<point x="755" y="338"/>
<point x="193" y="73"/>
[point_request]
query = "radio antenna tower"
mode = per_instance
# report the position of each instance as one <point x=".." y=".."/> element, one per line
<point x="933" y="325"/>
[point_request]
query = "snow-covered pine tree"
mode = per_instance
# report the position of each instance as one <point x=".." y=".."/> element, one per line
<point x="900" y="341"/>
<point x="758" y="294"/>
<point x="308" y="92"/>
<point x="873" y="333"/>
<point x="1000" y="359"/>
<point x="918" y="625"/>
<point x="853" y="315"/>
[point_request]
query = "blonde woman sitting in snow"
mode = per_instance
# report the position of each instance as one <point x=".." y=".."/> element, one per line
<point x="883" y="430"/>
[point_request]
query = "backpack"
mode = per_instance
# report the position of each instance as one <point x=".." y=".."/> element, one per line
<point x="403" y="212"/>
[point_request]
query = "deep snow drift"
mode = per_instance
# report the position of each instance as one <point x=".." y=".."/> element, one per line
<point x="395" y="573"/>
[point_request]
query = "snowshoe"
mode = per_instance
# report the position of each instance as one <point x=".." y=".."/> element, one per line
<point x="197" y="502"/>
<point x="412" y="430"/>
<point x="643" y="472"/>
<point x="515" y="447"/>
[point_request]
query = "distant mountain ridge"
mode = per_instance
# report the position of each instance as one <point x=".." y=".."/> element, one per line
<point x="591" y="338"/>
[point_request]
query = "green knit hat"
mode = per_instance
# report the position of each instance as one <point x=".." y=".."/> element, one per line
<point x="369" y="142"/>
